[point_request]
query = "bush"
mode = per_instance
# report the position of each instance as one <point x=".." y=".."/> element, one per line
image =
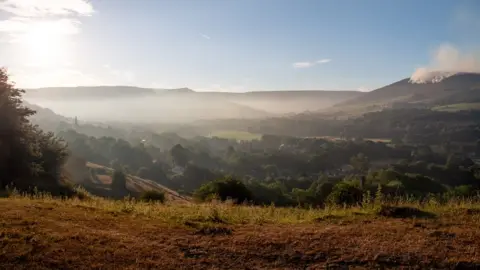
<point x="119" y="180"/>
<point x="153" y="196"/>
<point x="345" y="193"/>
<point x="228" y="188"/>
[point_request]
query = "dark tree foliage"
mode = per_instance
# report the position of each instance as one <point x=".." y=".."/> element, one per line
<point x="227" y="188"/>
<point x="345" y="193"/>
<point x="119" y="183"/>
<point x="29" y="157"/>
<point x="153" y="196"/>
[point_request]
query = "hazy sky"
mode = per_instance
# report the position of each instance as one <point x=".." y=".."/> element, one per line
<point x="230" y="45"/>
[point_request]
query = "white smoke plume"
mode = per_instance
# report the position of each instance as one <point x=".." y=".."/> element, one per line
<point x="446" y="61"/>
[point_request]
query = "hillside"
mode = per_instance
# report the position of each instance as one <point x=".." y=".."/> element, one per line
<point x="133" y="104"/>
<point x="460" y="88"/>
<point x="97" y="179"/>
<point x="42" y="233"/>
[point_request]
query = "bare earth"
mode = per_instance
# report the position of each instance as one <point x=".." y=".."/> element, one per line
<point x="52" y="236"/>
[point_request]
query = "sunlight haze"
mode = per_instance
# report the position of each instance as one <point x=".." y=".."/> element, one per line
<point x="228" y="46"/>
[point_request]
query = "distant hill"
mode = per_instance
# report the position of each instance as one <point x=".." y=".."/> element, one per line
<point x="290" y="101"/>
<point x="459" y="88"/>
<point x="134" y="104"/>
<point x="86" y="92"/>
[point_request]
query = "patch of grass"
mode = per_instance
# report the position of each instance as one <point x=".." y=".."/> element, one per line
<point x="458" y="107"/>
<point x="334" y="138"/>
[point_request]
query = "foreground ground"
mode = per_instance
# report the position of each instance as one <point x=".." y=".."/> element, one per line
<point x="54" y="234"/>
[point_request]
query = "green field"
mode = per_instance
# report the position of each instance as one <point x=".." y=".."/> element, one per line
<point x="334" y="138"/>
<point x="458" y="107"/>
<point x="236" y="135"/>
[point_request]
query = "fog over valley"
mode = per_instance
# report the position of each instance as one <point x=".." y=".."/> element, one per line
<point x="132" y="104"/>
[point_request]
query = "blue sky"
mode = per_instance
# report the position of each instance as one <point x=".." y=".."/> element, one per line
<point x="231" y="45"/>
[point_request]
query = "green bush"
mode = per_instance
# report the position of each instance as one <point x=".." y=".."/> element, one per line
<point x="153" y="196"/>
<point x="345" y="193"/>
<point x="224" y="189"/>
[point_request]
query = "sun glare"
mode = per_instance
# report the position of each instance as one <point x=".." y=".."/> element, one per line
<point x="46" y="44"/>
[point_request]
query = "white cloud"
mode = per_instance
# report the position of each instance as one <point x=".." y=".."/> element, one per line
<point x="23" y="29"/>
<point x="205" y="36"/>
<point x="308" y="64"/>
<point x="42" y="8"/>
<point x="34" y="18"/>
<point x="303" y="64"/>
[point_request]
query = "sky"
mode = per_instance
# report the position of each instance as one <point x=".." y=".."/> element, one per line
<point x="232" y="45"/>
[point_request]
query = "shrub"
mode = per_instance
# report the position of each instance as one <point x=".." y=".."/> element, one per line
<point x="345" y="193"/>
<point x="119" y="180"/>
<point x="153" y="196"/>
<point x="227" y="188"/>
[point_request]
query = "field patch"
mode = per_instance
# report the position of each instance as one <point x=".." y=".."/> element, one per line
<point x="458" y="107"/>
<point x="236" y="135"/>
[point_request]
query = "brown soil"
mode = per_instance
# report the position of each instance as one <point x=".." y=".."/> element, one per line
<point x="36" y="235"/>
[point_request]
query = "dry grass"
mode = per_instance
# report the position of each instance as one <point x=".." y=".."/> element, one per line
<point x="45" y="233"/>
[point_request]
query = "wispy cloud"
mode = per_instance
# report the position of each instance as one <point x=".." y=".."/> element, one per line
<point x="324" y="61"/>
<point x="205" y="36"/>
<point x="32" y="17"/>
<point x="308" y="64"/>
<point x="303" y="64"/>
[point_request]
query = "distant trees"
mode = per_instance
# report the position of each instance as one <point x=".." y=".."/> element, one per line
<point x="360" y="163"/>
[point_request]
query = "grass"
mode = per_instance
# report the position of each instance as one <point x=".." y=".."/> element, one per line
<point x="40" y="232"/>
<point x="236" y="135"/>
<point x="334" y="138"/>
<point x="458" y="107"/>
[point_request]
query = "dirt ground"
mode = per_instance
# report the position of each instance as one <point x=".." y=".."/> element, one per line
<point x="48" y="236"/>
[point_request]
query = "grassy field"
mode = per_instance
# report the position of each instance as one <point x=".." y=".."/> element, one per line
<point x="458" y="107"/>
<point x="247" y="136"/>
<point x="45" y="233"/>
<point x="236" y="135"/>
<point x="333" y="138"/>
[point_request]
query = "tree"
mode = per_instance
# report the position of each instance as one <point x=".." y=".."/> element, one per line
<point x="179" y="155"/>
<point x="345" y="193"/>
<point x="360" y="163"/>
<point x="119" y="183"/>
<point x="227" y="188"/>
<point x="28" y="156"/>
